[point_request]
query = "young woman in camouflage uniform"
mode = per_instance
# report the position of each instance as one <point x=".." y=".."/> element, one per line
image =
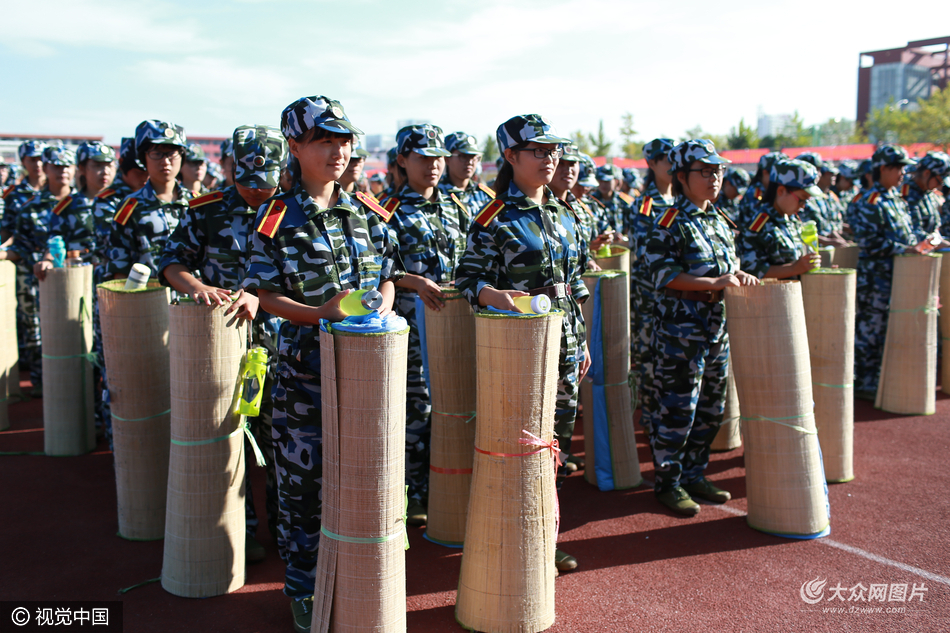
<point x="527" y="241"/>
<point x="771" y="246"/>
<point x="312" y="246"/>
<point x="430" y="231"/>
<point x="692" y="258"/>
<point x="459" y="178"/>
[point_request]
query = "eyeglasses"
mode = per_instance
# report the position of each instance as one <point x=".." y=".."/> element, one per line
<point x="157" y="154"/>
<point x="543" y="153"/>
<point x="709" y="172"/>
<point x="801" y="200"/>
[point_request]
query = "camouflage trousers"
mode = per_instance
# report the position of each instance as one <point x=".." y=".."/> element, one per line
<point x="103" y="406"/>
<point x="568" y="370"/>
<point x="29" y="339"/>
<point x="298" y="457"/>
<point x="686" y="406"/>
<point x="418" y="406"/>
<point x="870" y="325"/>
<point x="641" y="334"/>
<point x="264" y="332"/>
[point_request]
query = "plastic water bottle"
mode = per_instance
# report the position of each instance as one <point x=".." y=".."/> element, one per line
<point x="810" y="237"/>
<point x="252" y="388"/>
<point x="57" y="248"/>
<point x="538" y="304"/>
<point x="362" y="302"/>
<point x="138" y="277"/>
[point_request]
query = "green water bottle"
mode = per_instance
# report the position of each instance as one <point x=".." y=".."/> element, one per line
<point x="252" y="387"/>
<point x="810" y="237"/>
<point x="361" y="302"/>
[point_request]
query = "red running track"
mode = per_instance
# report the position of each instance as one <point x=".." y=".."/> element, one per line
<point x="641" y="568"/>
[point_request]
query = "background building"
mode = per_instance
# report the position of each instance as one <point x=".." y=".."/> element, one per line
<point x="902" y="75"/>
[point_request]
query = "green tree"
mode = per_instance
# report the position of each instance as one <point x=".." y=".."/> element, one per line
<point x="583" y="145"/>
<point x="890" y="124"/>
<point x="629" y="145"/>
<point x="795" y="134"/>
<point x="599" y="143"/>
<point x="837" y="132"/>
<point x="491" y="149"/>
<point x="742" y="137"/>
<point x="720" y="141"/>
<point x="932" y="121"/>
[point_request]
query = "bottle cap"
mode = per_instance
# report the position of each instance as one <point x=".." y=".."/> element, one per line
<point x="138" y="277"/>
<point x="540" y="304"/>
<point x="372" y="299"/>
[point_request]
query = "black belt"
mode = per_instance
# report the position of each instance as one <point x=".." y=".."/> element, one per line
<point x="710" y="296"/>
<point x="557" y="291"/>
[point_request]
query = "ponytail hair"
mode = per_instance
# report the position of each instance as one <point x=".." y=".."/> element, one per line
<point x="507" y="172"/>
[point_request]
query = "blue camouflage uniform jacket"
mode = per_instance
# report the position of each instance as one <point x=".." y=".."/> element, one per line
<point x="882" y="225"/>
<point x="430" y="235"/>
<point x="32" y="232"/>
<point x="923" y="206"/>
<point x="772" y="239"/>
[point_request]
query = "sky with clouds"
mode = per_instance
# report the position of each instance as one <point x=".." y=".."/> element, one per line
<point x="98" y="67"/>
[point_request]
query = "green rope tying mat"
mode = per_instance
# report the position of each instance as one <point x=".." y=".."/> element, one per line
<point x="778" y="421"/>
<point x="468" y="415"/>
<point x="141" y="584"/>
<point x="118" y="285"/>
<point x="821" y="384"/>
<point x="496" y="315"/>
<point x="148" y="417"/>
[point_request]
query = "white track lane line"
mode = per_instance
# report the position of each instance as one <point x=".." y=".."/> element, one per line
<point x="923" y="573"/>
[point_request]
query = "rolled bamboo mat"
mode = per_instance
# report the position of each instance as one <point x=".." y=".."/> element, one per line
<point x="9" y="354"/>
<point x="785" y="484"/>
<point x="610" y="448"/>
<point x="909" y="366"/>
<point x="729" y="435"/>
<point x="450" y="348"/>
<point x="829" y="299"/>
<point x="135" y="345"/>
<point x="506" y="582"/>
<point x="204" y="521"/>
<point x="847" y="256"/>
<point x="945" y="327"/>
<point x="66" y="323"/>
<point x="361" y="567"/>
<point x="619" y="259"/>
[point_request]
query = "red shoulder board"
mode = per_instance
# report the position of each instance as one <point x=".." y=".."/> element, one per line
<point x="905" y="189"/>
<point x="668" y="217"/>
<point x="461" y="204"/>
<point x="392" y="203"/>
<point x="759" y="222"/>
<point x="833" y="195"/>
<point x="758" y="193"/>
<point x="646" y="207"/>
<point x="125" y="211"/>
<point x="62" y="204"/>
<point x="487" y="190"/>
<point x="272" y="218"/>
<point x="6" y="192"/>
<point x="373" y="204"/>
<point x="625" y="197"/>
<point x="208" y="198"/>
<point x="105" y="193"/>
<point x="489" y="211"/>
<point x="872" y="199"/>
<point x="585" y="208"/>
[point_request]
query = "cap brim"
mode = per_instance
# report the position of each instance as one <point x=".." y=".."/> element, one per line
<point x="165" y="141"/>
<point x="588" y="182"/>
<point x="339" y="126"/>
<point x="431" y="151"/>
<point x="271" y="177"/>
<point x="815" y="192"/>
<point x="715" y="159"/>
<point x="549" y="138"/>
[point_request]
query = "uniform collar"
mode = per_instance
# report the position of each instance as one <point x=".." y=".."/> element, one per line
<point x="683" y="204"/>
<point x="408" y="195"/>
<point x="343" y="200"/>
<point x="651" y="191"/>
<point x="515" y="196"/>
<point x="148" y="193"/>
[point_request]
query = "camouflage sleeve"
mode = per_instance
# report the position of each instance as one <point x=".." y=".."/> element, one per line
<point x="123" y="250"/>
<point x="186" y="246"/>
<point x="102" y="213"/>
<point x="753" y="249"/>
<point x="263" y="267"/>
<point x="384" y="240"/>
<point x="945" y="218"/>
<point x="662" y="252"/>
<point x="479" y="266"/>
<point x="872" y="231"/>
<point x="21" y="238"/>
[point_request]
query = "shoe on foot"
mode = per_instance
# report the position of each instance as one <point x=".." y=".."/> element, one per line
<point x="705" y="490"/>
<point x="303" y="614"/>
<point x="677" y="500"/>
<point x="253" y="551"/>
<point x="564" y="561"/>
<point x="416" y="513"/>
<point x="576" y="462"/>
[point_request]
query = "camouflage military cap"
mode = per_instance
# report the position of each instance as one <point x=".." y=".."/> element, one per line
<point x="464" y="143"/>
<point x="586" y="177"/>
<point x="865" y="167"/>
<point x="657" y="148"/>
<point x="99" y="152"/>
<point x="605" y="173"/>
<point x="813" y="158"/>
<point x="391" y="156"/>
<point x="500" y="161"/>
<point x="58" y="155"/>
<point x="890" y="155"/>
<point x="937" y="162"/>
<point x="227" y="148"/>
<point x="358" y="151"/>
<point x="848" y="169"/>
<point x="572" y="154"/>
<point x="194" y="154"/>
<point x="154" y="132"/>
<point x="702" y="150"/>
<point x="797" y="174"/>
<point x="28" y="149"/>
<point x="525" y="129"/>
<point x="258" y="153"/>
<point x="128" y="159"/>
<point x="315" y="112"/>
<point x="766" y="160"/>
<point x="737" y="177"/>
<point x="424" y="139"/>
<point x="379" y="176"/>
<point x="214" y="170"/>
